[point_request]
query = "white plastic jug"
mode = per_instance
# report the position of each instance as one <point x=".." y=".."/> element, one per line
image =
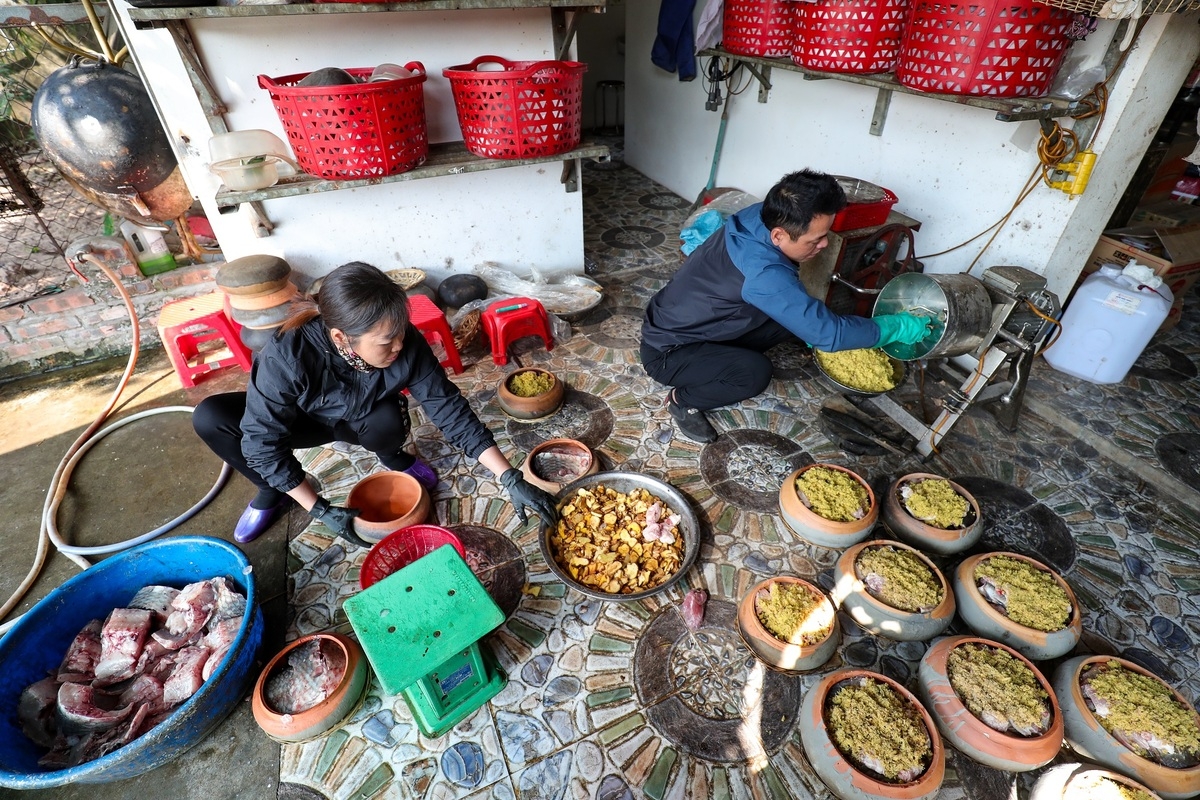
<point x="1109" y="322"/>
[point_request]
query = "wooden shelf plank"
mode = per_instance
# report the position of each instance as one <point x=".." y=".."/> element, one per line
<point x="150" y="15"/>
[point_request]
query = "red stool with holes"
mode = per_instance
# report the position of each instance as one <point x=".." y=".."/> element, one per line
<point x="505" y="321"/>
<point x="432" y="324"/>
<point x="185" y="325"/>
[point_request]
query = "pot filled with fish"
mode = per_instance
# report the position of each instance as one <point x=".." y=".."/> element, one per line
<point x="621" y="536"/>
<point x="788" y="623"/>
<point x="1087" y="782"/>
<point x="311" y="687"/>
<point x="893" y="591"/>
<point x="530" y="393"/>
<point x="557" y="462"/>
<point x="932" y="513"/>
<point x="828" y="505"/>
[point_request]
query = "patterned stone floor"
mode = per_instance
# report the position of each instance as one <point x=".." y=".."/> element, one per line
<point x="610" y="701"/>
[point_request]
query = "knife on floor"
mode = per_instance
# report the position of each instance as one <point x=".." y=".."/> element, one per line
<point x="847" y="422"/>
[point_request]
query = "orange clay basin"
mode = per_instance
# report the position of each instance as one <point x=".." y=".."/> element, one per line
<point x="920" y="533"/>
<point x="387" y="502"/>
<point x="1083" y="782"/>
<point x="325" y="676"/>
<point x="855" y="592"/>
<point x="818" y="530"/>
<point x="809" y="648"/>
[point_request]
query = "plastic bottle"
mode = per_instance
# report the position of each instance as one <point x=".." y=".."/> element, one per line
<point x="149" y="248"/>
<point x="1109" y="322"/>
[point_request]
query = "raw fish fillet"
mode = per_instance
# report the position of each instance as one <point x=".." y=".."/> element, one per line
<point x="560" y="466"/>
<point x="230" y="602"/>
<point x="152" y="653"/>
<point x="121" y="642"/>
<point x="80" y="712"/>
<point x="994" y="593"/>
<point x="155" y="598"/>
<point x="187" y="677"/>
<point x="79" y="664"/>
<point x="143" y="691"/>
<point x="219" y="640"/>
<point x="311" y="674"/>
<point x="693" y="608"/>
<point x="100" y="744"/>
<point x="35" y="711"/>
<point x="190" y="611"/>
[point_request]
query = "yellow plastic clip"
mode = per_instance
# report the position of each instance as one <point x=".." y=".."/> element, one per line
<point x="1079" y="172"/>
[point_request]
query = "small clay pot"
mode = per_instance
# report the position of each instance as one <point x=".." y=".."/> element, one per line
<point x="559" y="445"/>
<point x="1079" y="782"/>
<point x="969" y="734"/>
<point x="775" y="652"/>
<point x="812" y="527"/>
<point x="387" y="502"/>
<point x="529" y="408"/>
<point x="328" y="715"/>
<point x="851" y="594"/>
<point x="253" y="275"/>
<point x="982" y="618"/>
<point x="930" y="538"/>
<point x="263" y="301"/>
<point x="1088" y="737"/>
<point x="842" y="777"/>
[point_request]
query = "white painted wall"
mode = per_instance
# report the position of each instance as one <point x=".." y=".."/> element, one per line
<point x="519" y="217"/>
<point x="955" y="168"/>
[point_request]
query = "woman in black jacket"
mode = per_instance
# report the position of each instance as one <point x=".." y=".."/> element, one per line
<point x="336" y="372"/>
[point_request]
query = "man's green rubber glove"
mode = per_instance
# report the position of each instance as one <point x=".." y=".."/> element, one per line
<point x="902" y="328"/>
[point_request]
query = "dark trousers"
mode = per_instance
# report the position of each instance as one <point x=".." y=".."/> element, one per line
<point x="709" y="375"/>
<point x="218" y="421"/>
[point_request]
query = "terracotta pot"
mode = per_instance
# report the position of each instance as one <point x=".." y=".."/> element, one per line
<point x="1088" y="737"/>
<point x="841" y="776"/>
<point x="387" y="502"/>
<point x="775" y="652"/>
<point x="982" y="618"/>
<point x="327" y="715"/>
<point x="559" y="445"/>
<point x="815" y="528"/>
<point x="850" y="594"/>
<point x="264" y="301"/>
<point x="968" y="733"/>
<point x="536" y="407"/>
<point x="1078" y="782"/>
<point x="943" y="541"/>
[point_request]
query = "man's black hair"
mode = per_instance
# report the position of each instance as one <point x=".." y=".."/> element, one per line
<point x="798" y="197"/>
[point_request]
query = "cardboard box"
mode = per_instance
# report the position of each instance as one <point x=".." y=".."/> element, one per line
<point x="1171" y="214"/>
<point x="1168" y="251"/>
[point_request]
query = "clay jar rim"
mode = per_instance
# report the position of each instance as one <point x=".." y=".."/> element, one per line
<point x="315" y="721"/>
<point x="1092" y="771"/>
<point x="846" y="563"/>
<point x="937" y="658"/>
<point x="515" y="373"/>
<point x="546" y="445"/>
<point x="748" y="609"/>
<point x="927" y="530"/>
<point x="788" y="492"/>
<point x="936" y="770"/>
<point x="1145" y="765"/>
<point x="966" y="577"/>
<point x="377" y="477"/>
<point x="528" y="408"/>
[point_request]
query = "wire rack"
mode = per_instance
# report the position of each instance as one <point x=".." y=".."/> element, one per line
<point x="1092" y="8"/>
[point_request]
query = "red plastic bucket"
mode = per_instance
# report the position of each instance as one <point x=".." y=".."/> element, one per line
<point x="400" y="548"/>
<point x="763" y="28"/>
<point x="850" y="36"/>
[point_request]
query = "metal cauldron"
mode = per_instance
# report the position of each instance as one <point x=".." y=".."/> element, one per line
<point x="959" y="306"/>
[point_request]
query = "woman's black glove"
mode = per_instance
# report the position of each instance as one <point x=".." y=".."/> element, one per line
<point x="525" y="495"/>
<point x="339" y="520"/>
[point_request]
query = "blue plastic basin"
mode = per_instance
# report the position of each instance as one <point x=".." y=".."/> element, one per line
<point x="37" y="643"/>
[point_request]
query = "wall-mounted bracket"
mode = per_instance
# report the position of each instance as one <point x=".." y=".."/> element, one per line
<point x="883" y="101"/>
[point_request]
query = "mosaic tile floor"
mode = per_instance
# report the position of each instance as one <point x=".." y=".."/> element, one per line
<point x="609" y="701"/>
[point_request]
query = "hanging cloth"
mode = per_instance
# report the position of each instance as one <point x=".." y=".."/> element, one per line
<point x="708" y="29"/>
<point x="675" y="46"/>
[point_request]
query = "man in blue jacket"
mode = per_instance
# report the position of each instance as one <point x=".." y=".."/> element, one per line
<point x="739" y="294"/>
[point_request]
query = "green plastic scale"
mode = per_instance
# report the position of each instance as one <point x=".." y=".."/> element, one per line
<point x="420" y="628"/>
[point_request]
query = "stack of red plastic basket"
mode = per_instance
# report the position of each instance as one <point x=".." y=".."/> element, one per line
<point x="1001" y="48"/>
<point x="359" y="130"/>
<point x="851" y="36"/>
<point x="524" y="109"/>
<point x="763" y="28"/>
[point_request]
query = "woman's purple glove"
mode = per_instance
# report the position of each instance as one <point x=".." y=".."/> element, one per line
<point x="902" y="328"/>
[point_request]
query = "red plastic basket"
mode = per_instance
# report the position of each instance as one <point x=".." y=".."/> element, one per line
<point x="868" y="205"/>
<point x="854" y="36"/>
<point x="763" y="28"/>
<point x="1002" y="49"/>
<point x="525" y="109"/>
<point x="400" y="548"/>
<point x="362" y="130"/>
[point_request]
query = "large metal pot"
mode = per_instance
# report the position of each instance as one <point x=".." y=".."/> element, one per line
<point x="959" y="305"/>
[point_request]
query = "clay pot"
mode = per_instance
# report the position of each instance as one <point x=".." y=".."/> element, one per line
<point x="253" y="275"/>
<point x="842" y="777"/>
<point x="982" y="618"/>
<point x="528" y="408"/>
<point x="775" y="652"/>
<point x="387" y="502"/>
<point x="930" y="538"/>
<point x="968" y="733"/>
<point x="1088" y="737"/>
<point x="816" y="529"/>
<point x="559" y="445"/>
<point x="1078" y="782"/>
<point x="850" y="594"/>
<point x="327" y="715"/>
<point x="260" y="302"/>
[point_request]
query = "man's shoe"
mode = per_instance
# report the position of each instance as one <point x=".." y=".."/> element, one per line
<point x="691" y="422"/>
<point x="424" y="474"/>
<point x="255" y="521"/>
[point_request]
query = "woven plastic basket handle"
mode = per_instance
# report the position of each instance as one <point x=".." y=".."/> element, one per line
<point x="474" y="65"/>
<point x="416" y="67"/>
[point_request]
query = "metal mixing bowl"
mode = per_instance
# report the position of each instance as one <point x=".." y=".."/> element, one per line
<point x="899" y="373"/>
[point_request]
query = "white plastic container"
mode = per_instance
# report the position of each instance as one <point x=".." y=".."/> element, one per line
<point x="1109" y="322"/>
<point x="149" y="247"/>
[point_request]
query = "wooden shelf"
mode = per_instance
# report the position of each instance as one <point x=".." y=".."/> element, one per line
<point x="447" y="158"/>
<point x="147" y="17"/>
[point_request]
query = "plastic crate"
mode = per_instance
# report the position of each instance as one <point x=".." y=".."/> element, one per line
<point x="397" y="550"/>
<point x="1000" y="49"/>
<point x="763" y="28"/>
<point x="525" y="109"/>
<point x="868" y="205"/>
<point x="361" y="130"/>
<point x="850" y="36"/>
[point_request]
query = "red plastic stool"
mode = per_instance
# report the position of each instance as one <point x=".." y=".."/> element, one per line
<point x="505" y="321"/>
<point x="432" y="324"/>
<point x="184" y="325"/>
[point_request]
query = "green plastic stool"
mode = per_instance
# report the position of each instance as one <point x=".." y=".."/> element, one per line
<point x="420" y="628"/>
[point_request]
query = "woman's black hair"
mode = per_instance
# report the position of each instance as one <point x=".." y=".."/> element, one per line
<point x="798" y="197"/>
<point x="354" y="298"/>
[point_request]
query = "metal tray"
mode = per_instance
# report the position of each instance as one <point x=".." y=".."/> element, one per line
<point x="899" y="372"/>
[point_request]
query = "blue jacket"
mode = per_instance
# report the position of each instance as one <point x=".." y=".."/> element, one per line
<point x="736" y="281"/>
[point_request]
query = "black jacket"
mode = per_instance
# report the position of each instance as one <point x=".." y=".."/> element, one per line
<point x="300" y="372"/>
